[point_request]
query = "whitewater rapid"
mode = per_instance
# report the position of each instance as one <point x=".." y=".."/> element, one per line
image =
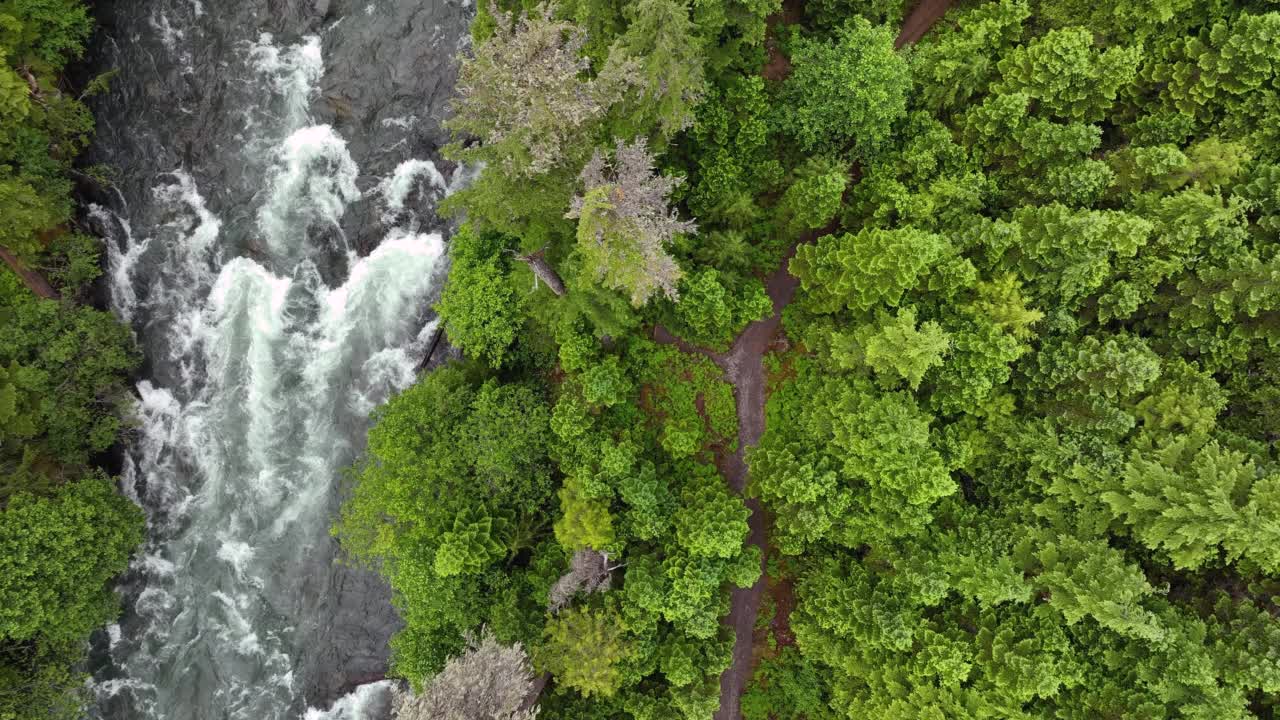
<point x="269" y="339"/>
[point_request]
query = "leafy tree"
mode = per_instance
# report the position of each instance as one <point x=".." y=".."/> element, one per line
<point x="1067" y="77"/>
<point x="469" y="547"/>
<point x="958" y="63"/>
<point x="814" y="198"/>
<point x="660" y="41"/>
<point x="894" y="346"/>
<point x="710" y="314"/>
<point x="1224" y="65"/>
<point x="584" y="522"/>
<point x="849" y="91"/>
<point x="1188" y="498"/>
<point x="709" y="520"/>
<point x="864" y="270"/>
<point x="479" y="306"/>
<point x="83" y="533"/>
<point x="455" y="484"/>
<point x="583" y="649"/>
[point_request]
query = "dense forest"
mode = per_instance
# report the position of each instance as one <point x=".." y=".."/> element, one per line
<point x="1007" y="293"/>
<point x="65" y="531"/>
<point x="1019" y="453"/>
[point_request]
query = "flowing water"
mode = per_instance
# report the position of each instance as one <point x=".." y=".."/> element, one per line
<point x="272" y="241"/>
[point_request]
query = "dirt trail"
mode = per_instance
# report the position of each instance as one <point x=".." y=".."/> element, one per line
<point x="743" y="366"/>
<point x="920" y="20"/>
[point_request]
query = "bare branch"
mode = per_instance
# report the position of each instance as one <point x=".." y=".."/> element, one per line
<point x="488" y="681"/>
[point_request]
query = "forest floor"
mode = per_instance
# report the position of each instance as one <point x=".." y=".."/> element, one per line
<point x="925" y="14"/>
<point x="743" y="366"/>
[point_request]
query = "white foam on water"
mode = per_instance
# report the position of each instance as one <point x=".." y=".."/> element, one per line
<point x="406" y="122"/>
<point x="154" y="565"/>
<point x="313" y="181"/>
<point x="409" y="176"/>
<point x="237" y="553"/>
<point x="294" y="71"/>
<point x="123" y="255"/>
<point x="247" y="311"/>
<point x="271" y="369"/>
<point x="170" y="36"/>
<point x="372" y="304"/>
<point x="363" y="703"/>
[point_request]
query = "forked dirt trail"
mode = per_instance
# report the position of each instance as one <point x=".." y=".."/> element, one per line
<point x="743" y="366"/>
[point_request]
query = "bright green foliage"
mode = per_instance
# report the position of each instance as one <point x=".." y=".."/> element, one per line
<point x="58" y="555"/>
<point x="1019" y="457"/>
<point x="457" y="481"/>
<point x="833" y="13"/>
<point x="814" y="198"/>
<point x="70" y="362"/>
<point x="19" y="400"/>
<point x="1065" y="255"/>
<point x="83" y="535"/>
<point x="469" y="547"/>
<point x="40" y="132"/>
<point x="1227" y="65"/>
<point x="1066" y="76"/>
<point x="709" y="520"/>
<point x="606" y="383"/>
<point x="857" y="466"/>
<point x="584" y="522"/>
<point x="710" y="314"/>
<point x="894" y="347"/>
<point x="479" y="306"/>
<point x="583" y="649"/>
<point x="847" y="92"/>
<point x="1189" y="500"/>
<point x="956" y="65"/>
<point x="864" y="271"/>
<point x="787" y="687"/>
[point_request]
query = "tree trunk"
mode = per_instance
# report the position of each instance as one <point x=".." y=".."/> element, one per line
<point x="539" y="684"/>
<point x="543" y="270"/>
<point x="34" y="281"/>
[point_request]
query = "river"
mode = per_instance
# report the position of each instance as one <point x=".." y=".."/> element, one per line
<point x="272" y="240"/>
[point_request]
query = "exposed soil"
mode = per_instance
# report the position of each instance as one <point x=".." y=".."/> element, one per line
<point x="920" y="20"/>
<point x="768" y="639"/>
<point x="778" y="66"/>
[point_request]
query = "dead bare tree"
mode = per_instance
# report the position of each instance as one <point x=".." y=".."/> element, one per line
<point x="488" y="681"/>
<point x="589" y="572"/>
<point x="625" y="222"/>
<point x="525" y="93"/>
